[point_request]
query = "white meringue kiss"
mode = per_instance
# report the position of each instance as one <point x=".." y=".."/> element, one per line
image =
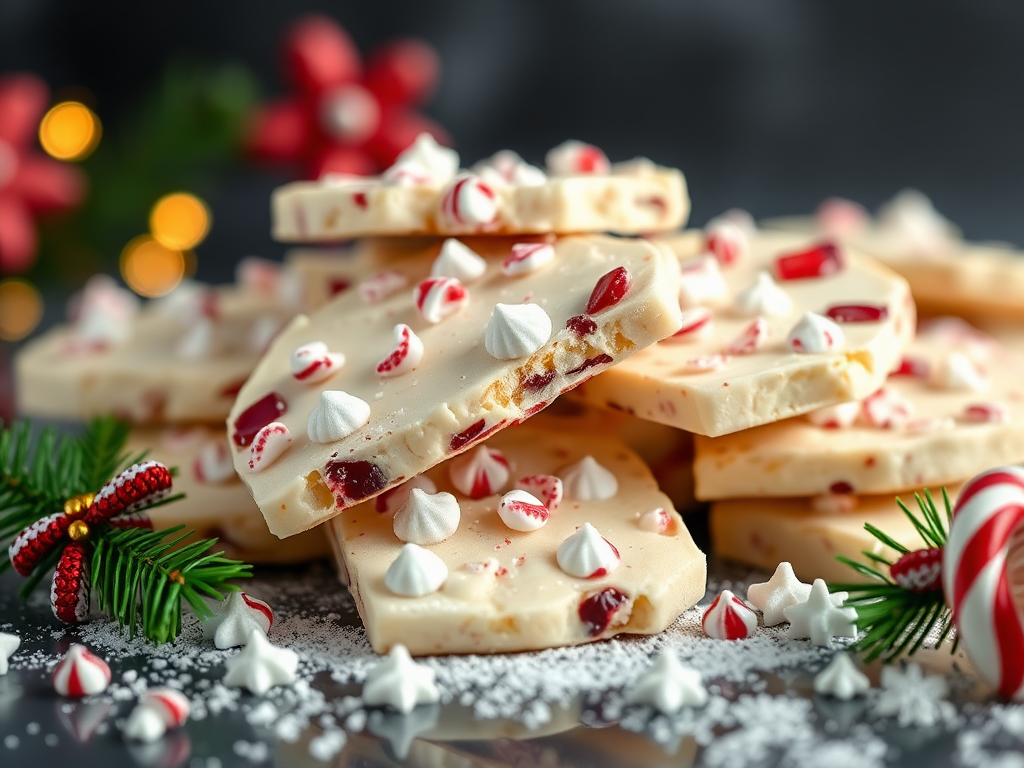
<point x="958" y="372"/>
<point x="586" y="480"/>
<point x="657" y="520"/>
<point x="702" y="283"/>
<point x="522" y="511"/>
<point x="415" y="572"/>
<point x="527" y="257"/>
<point x="481" y="473"/>
<point x="587" y="554"/>
<point x="406" y="354"/>
<point x="336" y="416"/>
<point x="314" y="362"/>
<point x="268" y="445"/>
<point x="424" y="160"/>
<point x="575" y="158"/>
<point x="516" y="330"/>
<point x="459" y="261"/>
<point x="814" y="334"/>
<point x="427" y="518"/>
<point x="763" y="297"/>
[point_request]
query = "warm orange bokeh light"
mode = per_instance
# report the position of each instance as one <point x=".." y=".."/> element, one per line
<point x="21" y="307"/>
<point x="70" y="131"/>
<point x="179" y="221"/>
<point x="150" y="268"/>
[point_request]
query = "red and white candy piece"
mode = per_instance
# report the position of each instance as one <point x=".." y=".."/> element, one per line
<point x="986" y="413"/>
<point x="982" y="576"/>
<point x="381" y="286"/>
<point x="704" y="364"/>
<point x="840" y="217"/>
<point x="268" y="445"/>
<point x="726" y="240"/>
<point x="750" y="340"/>
<point x="214" y="463"/>
<point x="80" y="673"/>
<point x="424" y="158"/>
<point x="158" y="710"/>
<point x="263" y="331"/>
<point x="481" y="473"/>
<point x="469" y="202"/>
<point x="657" y="521"/>
<point x="575" y="158"/>
<point x="919" y="571"/>
<point x="887" y="409"/>
<point x="814" y="334"/>
<point x="440" y="297"/>
<point x="406" y="355"/>
<point x="839" y="416"/>
<point x="506" y="168"/>
<point x="697" y="325"/>
<point x="857" y="313"/>
<point x="548" y="488"/>
<point x="526" y="258"/>
<point x="459" y="261"/>
<point x="820" y="260"/>
<point x="198" y="342"/>
<point x="763" y="297"/>
<point x="235" y="618"/>
<point x="958" y="372"/>
<point x="587" y="554"/>
<point x="702" y="283"/>
<point x="728" y="618"/>
<point x="314" y="362"/>
<point x="522" y="511"/>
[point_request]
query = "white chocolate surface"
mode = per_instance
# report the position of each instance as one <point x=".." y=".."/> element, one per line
<point x="764" y="532"/>
<point x="527" y="602"/>
<point x="459" y="394"/>
<point x="222" y="510"/>
<point x="798" y="458"/>
<point x="635" y="198"/>
<point x="771" y="383"/>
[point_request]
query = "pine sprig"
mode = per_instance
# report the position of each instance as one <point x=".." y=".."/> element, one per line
<point x="142" y="575"/>
<point x="895" y="620"/>
<point x="104" y="447"/>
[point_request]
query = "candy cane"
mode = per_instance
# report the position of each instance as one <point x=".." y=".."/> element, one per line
<point x="978" y="582"/>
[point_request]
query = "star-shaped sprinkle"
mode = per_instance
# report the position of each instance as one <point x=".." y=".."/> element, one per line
<point x="668" y="686"/>
<point x="781" y="591"/>
<point x="400" y="682"/>
<point x="913" y="698"/>
<point x="260" y="665"/>
<point x="8" y="645"/>
<point x="818" y="619"/>
<point x="841" y="679"/>
<point x="235" y="618"/>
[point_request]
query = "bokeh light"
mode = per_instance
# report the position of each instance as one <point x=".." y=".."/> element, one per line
<point x="179" y="221"/>
<point x="21" y="308"/>
<point x="70" y="131"/>
<point x="150" y="268"/>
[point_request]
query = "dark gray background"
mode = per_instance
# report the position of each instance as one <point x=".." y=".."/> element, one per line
<point x="769" y="106"/>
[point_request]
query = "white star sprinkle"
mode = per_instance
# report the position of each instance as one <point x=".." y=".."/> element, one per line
<point x="668" y="686"/>
<point x="400" y="682"/>
<point x="841" y="679"/>
<point x="781" y="591"/>
<point x="818" y="619"/>
<point x="260" y="665"/>
<point x="8" y="645"/>
<point x="913" y="698"/>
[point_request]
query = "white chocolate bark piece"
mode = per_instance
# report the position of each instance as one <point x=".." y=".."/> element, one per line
<point x="688" y="383"/>
<point x="631" y="198"/>
<point x="946" y="273"/>
<point x="765" y="532"/>
<point x="949" y="433"/>
<point x="217" y="504"/>
<point x="183" y="360"/>
<point x="505" y="590"/>
<point x="459" y="394"/>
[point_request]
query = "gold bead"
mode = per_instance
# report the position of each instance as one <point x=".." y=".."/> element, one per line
<point x="78" y="530"/>
<point x="77" y="504"/>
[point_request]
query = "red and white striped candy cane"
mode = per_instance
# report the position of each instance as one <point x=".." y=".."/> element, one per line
<point x="980" y="581"/>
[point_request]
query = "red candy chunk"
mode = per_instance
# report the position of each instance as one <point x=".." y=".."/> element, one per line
<point x="820" y="260"/>
<point x="609" y="290"/>
<point x="911" y="366"/>
<point x="857" y="313"/>
<point x="597" y="611"/>
<point x="254" y="418"/>
<point x="581" y="325"/>
<point x="354" y="480"/>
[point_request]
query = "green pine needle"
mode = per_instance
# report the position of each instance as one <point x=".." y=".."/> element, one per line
<point x="143" y="576"/>
<point x="895" y="621"/>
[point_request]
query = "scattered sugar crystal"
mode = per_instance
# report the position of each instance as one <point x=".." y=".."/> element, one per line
<point x="325" y="746"/>
<point x="33" y="729"/>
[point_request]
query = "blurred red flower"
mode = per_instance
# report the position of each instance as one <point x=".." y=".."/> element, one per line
<point x="31" y="184"/>
<point x="346" y="117"/>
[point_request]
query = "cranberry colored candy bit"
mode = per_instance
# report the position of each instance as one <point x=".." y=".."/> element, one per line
<point x="820" y="260"/>
<point x="986" y="413"/>
<point x="581" y="325"/>
<point x="254" y="418"/>
<point x="597" y="611"/>
<point x="609" y="290"/>
<point x="354" y="480"/>
<point x="857" y="313"/>
<point x="912" y="366"/>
